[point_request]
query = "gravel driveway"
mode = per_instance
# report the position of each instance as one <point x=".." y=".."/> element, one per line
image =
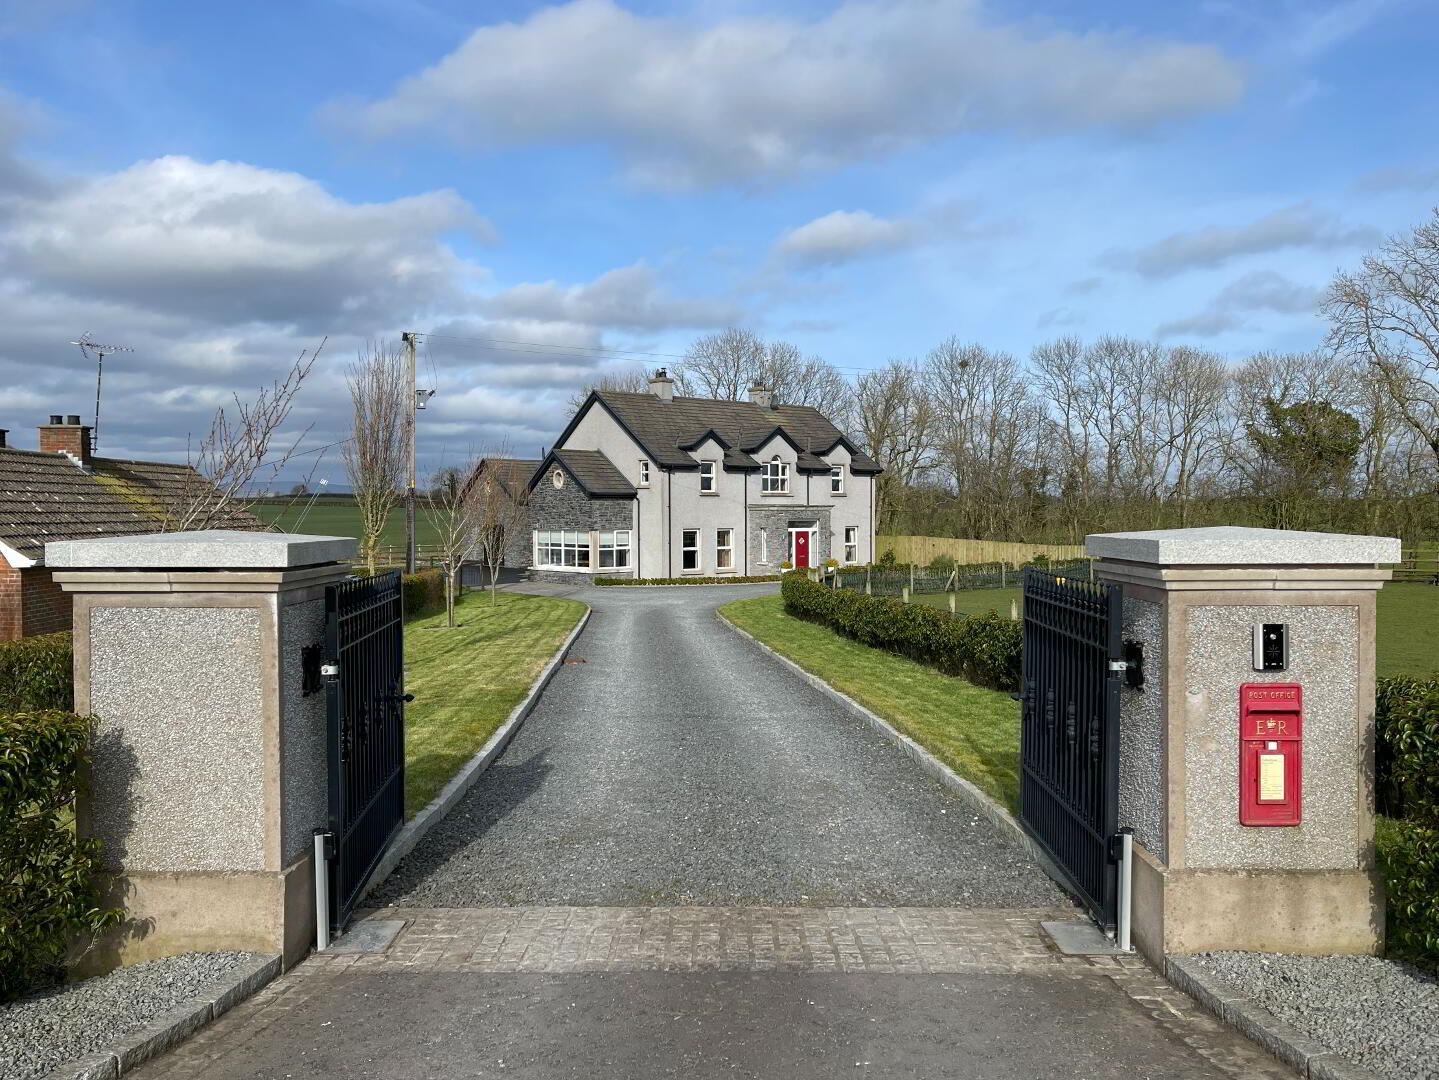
<point x="679" y="764"/>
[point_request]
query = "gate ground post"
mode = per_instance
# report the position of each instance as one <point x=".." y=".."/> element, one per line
<point x="196" y="652"/>
<point x="1202" y="879"/>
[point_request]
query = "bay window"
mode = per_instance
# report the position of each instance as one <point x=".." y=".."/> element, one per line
<point x="562" y="549"/>
<point x="615" y="550"/>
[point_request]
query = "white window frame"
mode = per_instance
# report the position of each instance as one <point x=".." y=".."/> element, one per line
<point x="836" y="479"/>
<point x="774" y="478"/>
<point x="851" y="543"/>
<point x="724" y="553"/>
<point x="615" y="548"/>
<point x="688" y="549"/>
<point x="644" y="473"/>
<point x="709" y="471"/>
<point x="571" y="545"/>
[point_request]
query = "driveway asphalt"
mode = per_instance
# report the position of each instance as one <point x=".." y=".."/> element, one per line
<point x="671" y="761"/>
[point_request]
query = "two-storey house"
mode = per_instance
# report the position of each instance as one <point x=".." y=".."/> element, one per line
<point x="650" y="485"/>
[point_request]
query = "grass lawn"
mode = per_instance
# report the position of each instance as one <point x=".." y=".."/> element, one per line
<point x="328" y="519"/>
<point x="975" y="601"/>
<point x="972" y="730"/>
<point x="467" y="680"/>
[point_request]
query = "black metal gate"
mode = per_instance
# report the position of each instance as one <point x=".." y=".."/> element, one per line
<point x="365" y="676"/>
<point x="1069" y="787"/>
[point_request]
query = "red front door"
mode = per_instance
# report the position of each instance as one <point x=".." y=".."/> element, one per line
<point x="801" y="549"/>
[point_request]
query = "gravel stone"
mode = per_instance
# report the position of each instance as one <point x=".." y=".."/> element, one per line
<point x="1381" y="1014"/>
<point x="51" y="1027"/>
<point x="680" y="764"/>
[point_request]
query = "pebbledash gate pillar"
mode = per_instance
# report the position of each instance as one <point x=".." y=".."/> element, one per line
<point x="199" y="653"/>
<point x="1247" y="736"/>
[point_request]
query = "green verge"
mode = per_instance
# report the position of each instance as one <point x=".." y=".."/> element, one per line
<point x="972" y="730"/>
<point x="467" y="680"/>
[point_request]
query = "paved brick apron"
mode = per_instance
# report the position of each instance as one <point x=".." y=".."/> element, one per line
<point x="688" y="989"/>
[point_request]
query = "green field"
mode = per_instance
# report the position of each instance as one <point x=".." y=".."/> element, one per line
<point x="1408" y="622"/>
<point x="329" y="519"/>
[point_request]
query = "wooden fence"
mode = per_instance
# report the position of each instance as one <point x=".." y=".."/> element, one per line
<point x="925" y="549"/>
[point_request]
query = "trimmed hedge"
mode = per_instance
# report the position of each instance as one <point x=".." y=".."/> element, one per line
<point x="1407" y="789"/>
<point x="424" y="593"/>
<point x="48" y="877"/>
<point x="37" y="673"/>
<point x="985" y="649"/>
<point x="728" y="579"/>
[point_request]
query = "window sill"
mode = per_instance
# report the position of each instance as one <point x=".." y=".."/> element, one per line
<point x="565" y="569"/>
<point x="709" y="494"/>
<point x="721" y="571"/>
<point x="775" y="494"/>
<point x="837" y="494"/>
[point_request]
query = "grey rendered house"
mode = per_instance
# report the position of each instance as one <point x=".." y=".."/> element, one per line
<point x="650" y="485"/>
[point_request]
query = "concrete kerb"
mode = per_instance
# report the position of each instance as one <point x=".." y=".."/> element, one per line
<point x="1286" y="1042"/>
<point x="129" y="1051"/>
<point x="981" y="803"/>
<point x="414" y="830"/>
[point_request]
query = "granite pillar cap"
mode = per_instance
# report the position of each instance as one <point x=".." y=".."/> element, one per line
<point x="205" y="549"/>
<point x="1235" y="546"/>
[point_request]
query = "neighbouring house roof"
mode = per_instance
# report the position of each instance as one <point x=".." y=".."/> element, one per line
<point x="46" y="496"/>
<point x="512" y="474"/>
<point x="666" y="428"/>
<point x="595" y="473"/>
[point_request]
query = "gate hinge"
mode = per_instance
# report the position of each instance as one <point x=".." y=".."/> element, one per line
<point x="1119" y="667"/>
<point x="330" y="669"/>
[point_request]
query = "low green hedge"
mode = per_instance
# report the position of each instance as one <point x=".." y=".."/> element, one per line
<point x="728" y="579"/>
<point x="1407" y="791"/>
<point x="48" y="877"/>
<point x="424" y="593"/>
<point x="37" y="673"/>
<point x="985" y="649"/>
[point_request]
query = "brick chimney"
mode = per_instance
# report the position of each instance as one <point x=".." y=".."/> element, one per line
<point x="758" y="395"/>
<point x="662" y="386"/>
<point x="66" y="435"/>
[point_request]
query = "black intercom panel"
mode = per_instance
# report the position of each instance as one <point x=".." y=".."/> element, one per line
<point x="1271" y="646"/>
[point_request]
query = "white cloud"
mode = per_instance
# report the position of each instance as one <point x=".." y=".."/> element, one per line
<point x="1262" y="290"/>
<point x="1298" y="226"/>
<point x="754" y="97"/>
<point x="842" y="235"/>
<point x="627" y="298"/>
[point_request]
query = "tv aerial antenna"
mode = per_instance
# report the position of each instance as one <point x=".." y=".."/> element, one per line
<point x="87" y="346"/>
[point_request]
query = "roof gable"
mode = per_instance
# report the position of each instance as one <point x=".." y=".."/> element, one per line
<point x="596" y="474"/>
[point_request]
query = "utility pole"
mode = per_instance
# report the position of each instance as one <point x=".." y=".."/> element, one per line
<point x="408" y="337"/>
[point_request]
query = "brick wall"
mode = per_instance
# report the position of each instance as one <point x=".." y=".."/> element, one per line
<point x="31" y="603"/>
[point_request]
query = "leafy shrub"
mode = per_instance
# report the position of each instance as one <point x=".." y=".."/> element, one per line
<point x="985" y="649"/>
<point x="424" y="592"/>
<point x="941" y="564"/>
<point x="48" y="891"/>
<point x="727" y="579"/>
<point x="886" y="560"/>
<point x="1407" y="788"/>
<point x="37" y="673"/>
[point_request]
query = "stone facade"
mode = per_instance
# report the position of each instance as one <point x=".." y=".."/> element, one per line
<point x="769" y="535"/>
<point x="568" y="507"/>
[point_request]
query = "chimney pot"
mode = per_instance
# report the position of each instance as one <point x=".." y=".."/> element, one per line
<point x="56" y="418"/>
<point x="72" y="419"/>
<point x="3" y="433"/>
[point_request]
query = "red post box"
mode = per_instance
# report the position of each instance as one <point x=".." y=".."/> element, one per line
<point x="1271" y="745"/>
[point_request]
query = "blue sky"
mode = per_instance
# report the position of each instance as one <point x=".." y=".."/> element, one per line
<point x="220" y="186"/>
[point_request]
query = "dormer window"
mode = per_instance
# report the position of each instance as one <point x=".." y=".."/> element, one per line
<point x="707" y="478"/>
<point x="836" y="479"/>
<point x="774" y="479"/>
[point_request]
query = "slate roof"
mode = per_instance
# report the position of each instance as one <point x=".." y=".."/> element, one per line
<point x="46" y="496"/>
<point x="664" y="427"/>
<point x="513" y="474"/>
<point x="594" y="472"/>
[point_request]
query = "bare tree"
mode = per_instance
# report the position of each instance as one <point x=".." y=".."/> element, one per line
<point x="725" y="365"/>
<point x="896" y="423"/>
<point x="631" y="380"/>
<point x="1385" y="315"/>
<point x="237" y="450"/>
<point x="453" y="517"/>
<point x="499" y="511"/>
<point x="376" y="454"/>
